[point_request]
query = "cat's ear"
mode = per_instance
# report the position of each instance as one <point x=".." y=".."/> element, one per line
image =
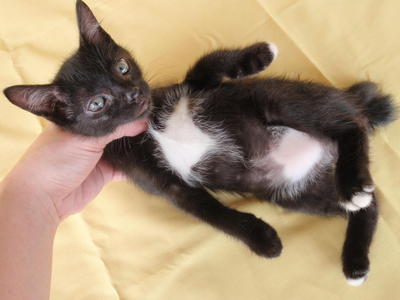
<point x="38" y="99"/>
<point x="89" y="28"/>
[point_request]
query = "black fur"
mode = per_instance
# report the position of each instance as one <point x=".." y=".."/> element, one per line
<point x="378" y="108"/>
<point x="360" y="230"/>
<point x="247" y="109"/>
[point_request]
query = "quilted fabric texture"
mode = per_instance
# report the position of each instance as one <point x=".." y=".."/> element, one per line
<point x="130" y="245"/>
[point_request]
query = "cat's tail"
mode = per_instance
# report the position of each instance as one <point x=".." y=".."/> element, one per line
<point x="378" y="108"/>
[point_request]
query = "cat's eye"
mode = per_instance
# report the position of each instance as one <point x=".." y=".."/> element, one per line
<point x="97" y="104"/>
<point x="123" y="66"/>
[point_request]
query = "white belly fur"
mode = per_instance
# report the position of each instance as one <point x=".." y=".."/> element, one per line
<point x="293" y="160"/>
<point x="297" y="153"/>
<point x="183" y="144"/>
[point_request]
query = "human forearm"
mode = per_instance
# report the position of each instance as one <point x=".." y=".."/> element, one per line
<point x="58" y="175"/>
<point x="26" y="241"/>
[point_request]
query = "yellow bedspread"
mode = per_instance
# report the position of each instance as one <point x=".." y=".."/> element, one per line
<point x="129" y="245"/>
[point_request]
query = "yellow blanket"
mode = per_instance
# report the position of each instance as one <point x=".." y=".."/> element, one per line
<point x="129" y="245"/>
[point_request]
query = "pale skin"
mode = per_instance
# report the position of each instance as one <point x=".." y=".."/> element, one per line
<point x="58" y="176"/>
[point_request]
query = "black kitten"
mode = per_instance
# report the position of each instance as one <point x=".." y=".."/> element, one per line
<point x="301" y="145"/>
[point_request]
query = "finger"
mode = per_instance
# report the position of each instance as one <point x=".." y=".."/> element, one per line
<point x="119" y="176"/>
<point x="109" y="173"/>
<point x="130" y="129"/>
<point x="93" y="144"/>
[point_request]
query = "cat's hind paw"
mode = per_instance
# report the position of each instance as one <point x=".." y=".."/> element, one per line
<point x="357" y="281"/>
<point x="356" y="269"/>
<point x="359" y="200"/>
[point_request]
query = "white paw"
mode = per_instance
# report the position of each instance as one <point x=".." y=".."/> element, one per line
<point x="349" y="206"/>
<point x="369" y="188"/>
<point x="274" y="50"/>
<point x="357" y="281"/>
<point x="360" y="200"/>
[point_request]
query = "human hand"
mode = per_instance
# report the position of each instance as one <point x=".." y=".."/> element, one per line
<point x="62" y="172"/>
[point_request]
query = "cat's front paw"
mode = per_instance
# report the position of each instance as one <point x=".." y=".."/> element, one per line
<point x="360" y="199"/>
<point x="264" y="240"/>
<point x="253" y="59"/>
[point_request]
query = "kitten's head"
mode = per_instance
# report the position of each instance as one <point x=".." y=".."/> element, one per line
<point x="97" y="89"/>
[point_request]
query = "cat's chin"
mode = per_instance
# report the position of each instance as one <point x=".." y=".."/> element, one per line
<point x="144" y="112"/>
<point x="144" y="109"/>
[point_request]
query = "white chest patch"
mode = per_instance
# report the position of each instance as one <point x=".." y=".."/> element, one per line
<point x="182" y="143"/>
<point x="297" y="153"/>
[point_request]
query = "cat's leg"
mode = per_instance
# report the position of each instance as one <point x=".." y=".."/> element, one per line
<point x="353" y="179"/>
<point x="255" y="233"/>
<point x="360" y="231"/>
<point x="140" y="165"/>
<point x="352" y="169"/>
<point x="210" y="70"/>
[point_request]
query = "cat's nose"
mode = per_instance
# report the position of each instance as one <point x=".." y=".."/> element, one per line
<point x="133" y="95"/>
